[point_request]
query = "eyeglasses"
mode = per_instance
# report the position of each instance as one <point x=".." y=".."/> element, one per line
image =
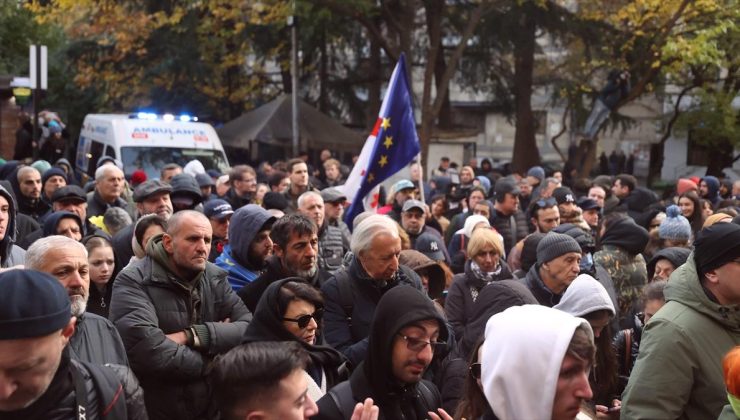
<point x="304" y="320"/>
<point x="546" y="203"/>
<point x="417" y="345"/>
<point x="474" y="370"/>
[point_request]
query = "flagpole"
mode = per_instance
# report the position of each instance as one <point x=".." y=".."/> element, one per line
<point x="421" y="180"/>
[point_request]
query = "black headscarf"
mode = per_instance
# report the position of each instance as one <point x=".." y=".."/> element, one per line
<point x="267" y="325"/>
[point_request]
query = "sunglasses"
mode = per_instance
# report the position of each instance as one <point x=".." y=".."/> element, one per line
<point x="475" y="370"/>
<point x="417" y="345"/>
<point x="304" y="320"/>
<point x="546" y="203"/>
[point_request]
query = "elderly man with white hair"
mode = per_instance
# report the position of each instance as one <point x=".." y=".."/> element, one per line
<point x="95" y="339"/>
<point x="353" y="293"/>
<point x="109" y="186"/>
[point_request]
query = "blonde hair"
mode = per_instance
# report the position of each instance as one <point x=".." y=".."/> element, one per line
<point x="482" y="238"/>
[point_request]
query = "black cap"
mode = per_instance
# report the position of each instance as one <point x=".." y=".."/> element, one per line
<point x="505" y="186"/>
<point x="69" y="193"/>
<point x="149" y="188"/>
<point x="32" y="304"/>
<point x="430" y="246"/>
<point x="586" y="203"/>
<point x="204" y="180"/>
<point x="563" y="195"/>
<point x="274" y="200"/>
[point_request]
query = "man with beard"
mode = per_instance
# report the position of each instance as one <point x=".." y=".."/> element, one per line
<point x="39" y="379"/>
<point x="406" y="333"/>
<point x="353" y="293"/>
<point x="243" y="180"/>
<point x="29" y="197"/>
<point x="544" y="215"/>
<point x="331" y="244"/>
<point x="219" y="213"/>
<point x="569" y="211"/>
<point x="95" y="339"/>
<point x="176" y="312"/>
<point x="151" y="197"/>
<point x="296" y="248"/>
<point x="249" y="245"/>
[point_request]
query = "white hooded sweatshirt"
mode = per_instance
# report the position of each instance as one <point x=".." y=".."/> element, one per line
<point x="523" y="350"/>
<point x="584" y="296"/>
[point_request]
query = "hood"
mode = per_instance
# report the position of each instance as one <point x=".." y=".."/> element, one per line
<point x="584" y="296"/>
<point x="11" y="230"/>
<point x="63" y="161"/>
<point x="677" y="256"/>
<point x="267" y="325"/>
<point x="640" y="199"/>
<point x="399" y="307"/>
<point x="492" y="299"/>
<point x="712" y="186"/>
<point x="194" y="168"/>
<point x="628" y="235"/>
<point x="246" y="223"/>
<point x="417" y="261"/>
<point x="523" y="350"/>
<point x="185" y="184"/>
<point x="684" y="287"/>
<point x="53" y="219"/>
<point x="471" y="221"/>
<point x="8" y="168"/>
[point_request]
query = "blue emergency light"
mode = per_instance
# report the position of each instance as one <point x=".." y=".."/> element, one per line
<point x="165" y="117"/>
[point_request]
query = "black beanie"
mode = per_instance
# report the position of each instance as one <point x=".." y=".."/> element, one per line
<point x="554" y="245"/>
<point x="529" y="250"/>
<point x="32" y="304"/>
<point x="716" y="246"/>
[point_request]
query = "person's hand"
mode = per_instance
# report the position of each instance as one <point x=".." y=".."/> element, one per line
<point x="366" y="411"/>
<point x="441" y="416"/>
<point x="604" y="412"/>
<point x="178" y="337"/>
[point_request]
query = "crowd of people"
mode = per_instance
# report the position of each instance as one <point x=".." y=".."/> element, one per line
<point x="475" y="294"/>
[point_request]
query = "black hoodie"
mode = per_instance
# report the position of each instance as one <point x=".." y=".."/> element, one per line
<point x="373" y="378"/>
<point x="267" y="325"/>
<point x="52" y="221"/>
<point x="628" y="235"/>
<point x="10" y="254"/>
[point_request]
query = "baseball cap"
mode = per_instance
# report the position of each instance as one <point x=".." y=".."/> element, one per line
<point x="71" y="193"/>
<point x="586" y="203"/>
<point x="217" y="208"/>
<point x="430" y="246"/>
<point x="333" y="195"/>
<point x="149" y="188"/>
<point x="403" y="184"/>
<point x="413" y="204"/>
<point x="505" y="186"/>
<point x="204" y="180"/>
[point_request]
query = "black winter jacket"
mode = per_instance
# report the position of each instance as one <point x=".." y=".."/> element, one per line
<point x="96" y="341"/>
<point x="535" y="285"/>
<point x="350" y="336"/>
<point x="503" y="226"/>
<point x="60" y="402"/>
<point x="96" y="206"/>
<point x="148" y="302"/>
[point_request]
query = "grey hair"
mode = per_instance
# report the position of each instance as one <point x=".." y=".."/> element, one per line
<point x="36" y="253"/>
<point x="368" y="229"/>
<point x="549" y="181"/>
<point x="361" y="217"/>
<point x="115" y="219"/>
<point x="101" y="171"/>
<point x="303" y="197"/>
<point x="23" y="169"/>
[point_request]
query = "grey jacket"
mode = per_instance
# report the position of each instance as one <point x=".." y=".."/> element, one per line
<point x="331" y="248"/>
<point x="148" y="303"/>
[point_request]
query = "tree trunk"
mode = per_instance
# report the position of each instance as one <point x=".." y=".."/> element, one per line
<point x="323" y="76"/>
<point x="526" y="154"/>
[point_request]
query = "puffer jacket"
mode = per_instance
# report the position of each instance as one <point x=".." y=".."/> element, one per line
<point x="59" y="402"/>
<point x="503" y="225"/>
<point x="97" y="341"/>
<point x="331" y="248"/>
<point x="349" y="336"/>
<point x="10" y="253"/>
<point x="463" y="293"/>
<point x="148" y="302"/>
<point x="678" y="373"/>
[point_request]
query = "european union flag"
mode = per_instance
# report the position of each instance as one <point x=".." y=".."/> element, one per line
<point x="391" y="146"/>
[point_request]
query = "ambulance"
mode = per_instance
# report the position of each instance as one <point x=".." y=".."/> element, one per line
<point x="147" y="141"/>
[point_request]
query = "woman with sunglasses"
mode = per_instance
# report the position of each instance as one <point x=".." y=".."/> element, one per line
<point x="291" y="310"/>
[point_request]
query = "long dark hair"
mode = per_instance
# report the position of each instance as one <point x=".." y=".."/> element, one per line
<point x="473" y="403"/>
<point x="604" y="377"/>
<point x="697" y="218"/>
<point x="298" y="290"/>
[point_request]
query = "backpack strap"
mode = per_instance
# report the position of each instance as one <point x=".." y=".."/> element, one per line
<point x="109" y="389"/>
<point x="345" y="295"/>
<point x="343" y="399"/>
<point x="628" y="351"/>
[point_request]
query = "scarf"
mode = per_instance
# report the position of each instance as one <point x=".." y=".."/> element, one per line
<point x="484" y="278"/>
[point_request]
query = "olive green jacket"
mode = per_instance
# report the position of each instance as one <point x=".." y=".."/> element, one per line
<point x="678" y="374"/>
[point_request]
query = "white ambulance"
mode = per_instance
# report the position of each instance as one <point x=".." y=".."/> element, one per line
<point x="147" y="141"/>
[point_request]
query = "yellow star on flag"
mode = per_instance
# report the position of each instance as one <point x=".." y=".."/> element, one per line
<point x="370" y="177"/>
<point x="386" y="123"/>
<point x="383" y="161"/>
<point x="388" y="142"/>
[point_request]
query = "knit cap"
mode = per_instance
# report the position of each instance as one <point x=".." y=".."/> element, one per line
<point x="554" y="245"/>
<point x="675" y="226"/>
<point x="32" y="304"/>
<point x="536" y="172"/>
<point x="716" y="246"/>
<point x="53" y="172"/>
<point x="685" y="184"/>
